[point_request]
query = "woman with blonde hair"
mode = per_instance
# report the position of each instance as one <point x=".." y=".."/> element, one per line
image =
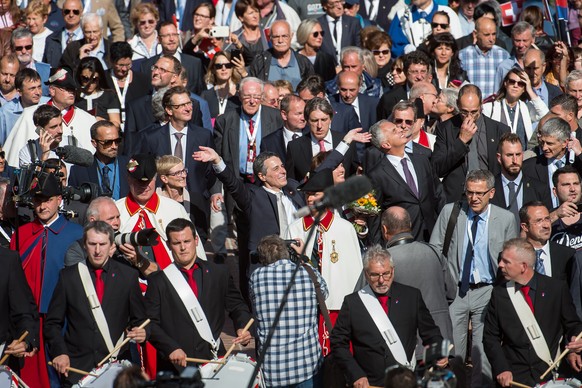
<point x="144" y="19"/>
<point x="36" y="14"/>
<point x="310" y="37"/>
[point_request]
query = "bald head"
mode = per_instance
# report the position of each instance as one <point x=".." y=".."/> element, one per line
<point x="395" y="220"/>
<point x="485" y="33"/>
<point x="427" y="92"/>
<point x="348" y="83"/>
<point x="281" y="37"/>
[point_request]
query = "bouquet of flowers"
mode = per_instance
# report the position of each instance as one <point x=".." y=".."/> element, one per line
<point x="365" y="206"/>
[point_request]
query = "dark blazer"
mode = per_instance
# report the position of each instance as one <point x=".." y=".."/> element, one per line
<point x="553" y="91"/>
<point x="350" y="34"/>
<point x="449" y="157"/>
<point x="210" y="96"/>
<point x="80" y="174"/>
<point x="299" y="155"/>
<point x="392" y="190"/>
<point x="171" y="326"/>
<point x="71" y="58"/>
<point x="275" y="142"/>
<point x="140" y="86"/>
<point x="122" y="305"/>
<point x="537" y="168"/>
<point x="563" y="258"/>
<point x="382" y="16"/>
<point x="17" y="306"/>
<point x="53" y="49"/>
<point x="193" y="66"/>
<point x="389" y="99"/>
<point x="371" y="356"/>
<point x="344" y="118"/>
<point x="373" y="156"/>
<point x="200" y="176"/>
<point x="367" y="107"/>
<point x="533" y="190"/>
<point x="259" y="206"/>
<point x="505" y="341"/>
<point x="324" y="65"/>
<point x="139" y="116"/>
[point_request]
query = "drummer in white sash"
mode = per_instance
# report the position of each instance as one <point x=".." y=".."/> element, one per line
<point x="381" y="321"/>
<point x="526" y="319"/>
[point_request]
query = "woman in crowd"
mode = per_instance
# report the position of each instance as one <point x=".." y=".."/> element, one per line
<point x="223" y="78"/>
<point x="144" y="19"/>
<point x="172" y="173"/>
<point x="379" y="43"/>
<point x="310" y="37"/>
<point x="250" y="38"/>
<point x="396" y="75"/>
<point x="509" y="106"/>
<point x="557" y="64"/>
<point x="36" y="14"/>
<point x="10" y="14"/>
<point x="447" y="70"/>
<point x="284" y="88"/>
<point x="94" y="97"/>
<point x="198" y="42"/>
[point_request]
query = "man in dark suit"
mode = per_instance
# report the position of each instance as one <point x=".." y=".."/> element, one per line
<point x="166" y="71"/>
<point x="170" y="42"/>
<point x="565" y="107"/>
<point x="466" y="142"/>
<point x="57" y="42"/>
<point x="512" y="188"/>
<point x="348" y="83"/>
<point x="377" y="11"/>
<point x="96" y="287"/>
<point x="506" y="342"/>
<point x="382" y="301"/>
<point x="181" y="139"/>
<point x="108" y="169"/>
<point x="339" y="30"/>
<point x="292" y="112"/>
<point x="173" y="331"/>
<point x="93" y="44"/>
<point x="300" y="152"/>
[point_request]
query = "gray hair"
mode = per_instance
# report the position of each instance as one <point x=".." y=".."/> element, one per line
<point x="481" y="175"/>
<point x="402" y="106"/>
<point x="524" y="249"/>
<point x="304" y="30"/>
<point x="91" y="18"/>
<point x="451" y="95"/>
<point x="157" y="107"/>
<point x="377" y="133"/>
<point x="320" y="104"/>
<point x="352" y="50"/>
<point x="19" y="33"/>
<point x="94" y="207"/>
<point x="370" y="64"/>
<point x="521" y="27"/>
<point x="575" y="75"/>
<point x="246" y="80"/>
<point x="556" y="127"/>
<point x="377" y="254"/>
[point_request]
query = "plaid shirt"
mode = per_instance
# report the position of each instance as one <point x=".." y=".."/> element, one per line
<point x="294" y="354"/>
<point x="481" y="68"/>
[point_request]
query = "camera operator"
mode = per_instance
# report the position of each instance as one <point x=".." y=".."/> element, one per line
<point x="292" y="345"/>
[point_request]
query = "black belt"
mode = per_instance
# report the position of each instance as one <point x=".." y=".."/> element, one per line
<point x="474" y="286"/>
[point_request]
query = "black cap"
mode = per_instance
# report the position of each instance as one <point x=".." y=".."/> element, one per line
<point x="47" y="185"/>
<point x="317" y="182"/>
<point x="63" y="78"/>
<point x="142" y="167"/>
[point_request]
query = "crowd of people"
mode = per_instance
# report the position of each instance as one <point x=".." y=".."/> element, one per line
<point x="137" y="138"/>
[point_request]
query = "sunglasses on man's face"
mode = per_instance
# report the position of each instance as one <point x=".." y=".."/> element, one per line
<point x="28" y="47"/>
<point x="444" y="26"/>
<point x="74" y="11"/>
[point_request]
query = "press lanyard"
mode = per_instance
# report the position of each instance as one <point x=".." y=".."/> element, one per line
<point x="515" y="117"/>
<point x="120" y="95"/>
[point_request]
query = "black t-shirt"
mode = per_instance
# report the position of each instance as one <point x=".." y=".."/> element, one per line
<point x="568" y="235"/>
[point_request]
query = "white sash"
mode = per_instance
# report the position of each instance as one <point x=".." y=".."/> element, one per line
<point x="385" y="327"/>
<point x="192" y="305"/>
<point x="96" y="308"/>
<point x="529" y="323"/>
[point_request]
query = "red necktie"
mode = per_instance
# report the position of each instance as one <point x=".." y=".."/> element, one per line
<point x="321" y="146"/>
<point x="99" y="284"/>
<point x="191" y="280"/>
<point x="251" y="127"/>
<point x="383" y="299"/>
<point x="525" y="291"/>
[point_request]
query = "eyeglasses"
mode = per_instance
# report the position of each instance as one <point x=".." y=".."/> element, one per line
<point x="316" y="34"/>
<point x="123" y="65"/>
<point x="513" y="82"/>
<point x="376" y="276"/>
<point x="464" y="112"/>
<point x="28" y="47"/>
<point x="400" y="121"/>
<point x="175" y="35"/>
<point x="74" y="11"/>
<point x="444" y="26"/>
<point x="2" y="154"/>
<point x="378" y="52"/>
<point x="478" y="194"/>
<point x="161" y="70"/>
<point x="218" y="66"/>
<point x="201" y="16"/>
<point x="108" y="143"/>
<point x="180" y="106"/>
<point x="85" y="79"/>
<point x="144" y="22"/>
<point x="183" y="172"/>
<point x="541" y="221"/>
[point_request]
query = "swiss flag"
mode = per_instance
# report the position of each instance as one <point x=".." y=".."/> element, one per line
<point x="510" y="12"/>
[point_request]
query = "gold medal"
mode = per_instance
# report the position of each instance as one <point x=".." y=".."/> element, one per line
<point x="334" y="257"/>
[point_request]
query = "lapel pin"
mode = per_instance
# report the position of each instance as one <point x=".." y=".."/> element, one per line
<point x="543" y="294"/>
<point x="397" y="300"/>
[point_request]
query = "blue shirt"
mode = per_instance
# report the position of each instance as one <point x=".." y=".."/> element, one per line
<point x="543" y="93"/>
<point x="481" y="66"/>
<point x="481" y="263"/>
<point x="243" y="140"/>
<point x="113" y="176"/>
<point x="9" y="114"/>
<point x="290" y="72"/>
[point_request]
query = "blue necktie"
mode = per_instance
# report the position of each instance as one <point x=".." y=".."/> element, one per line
<point x="540" y="262"/>
<point x="466" y="275"/>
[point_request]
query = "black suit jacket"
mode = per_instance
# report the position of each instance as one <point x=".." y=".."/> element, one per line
<point x="344" y="118"/>
<point x="367" y="107"/>
<point x="122" y="305"/>
<point x="532" y="189"/>
<point x="80" y="174"/>
<point x="505" y="341"/>
<point x="449" y="157"/>
<point x="53" y="48"/>
<point x="389" y="99"/>
<point x="17" y="306"/>
<point x="193" y="66"/>
<point x="373" y="156"/>
<point x="210" y="96"/>
<point x="71" y="58"/>
<point x="275" y="142"/>
<point x="350" y="34"/>
<point x="200" y="176"/>
<point x="392" y="190"/>
<point x="371" y="355"/>
<point x="300" y="154"/>
<point x="382" y="15"/>
<point x="553" y="91"/>
<point x="537" y="168"/>
<point x="563" y="258"/>
<point x="324" y="65"/>
<point x="171" y="326"/>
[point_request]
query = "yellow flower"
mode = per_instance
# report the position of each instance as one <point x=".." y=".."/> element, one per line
<point x="361" y="201"/>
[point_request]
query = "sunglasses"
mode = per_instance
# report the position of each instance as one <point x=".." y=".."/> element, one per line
<point x="512" y="82"/>
<point x="444" y="26"/>
<point x="144" y="22"/>
<point x="85" y="80"/>
<point x="378" y="52"/>
<point x="316" y="34"/>
<point x="400" y="121"/>
<point x="28" y="47"/>
<point x="398" y="70"/>
<point x="2" y="155"/>
<point x="218" y="66"/>
<point x="74" y="11"/>
<point x="108" y="143"/>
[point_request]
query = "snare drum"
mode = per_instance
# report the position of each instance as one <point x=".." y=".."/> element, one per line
<point x="7" y="378"/>
<point x="562" y="383"/>
<point x="237" y="372"/>
<point x="106" y="374"/>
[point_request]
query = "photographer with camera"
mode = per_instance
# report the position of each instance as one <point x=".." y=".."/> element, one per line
<point x="294" y="356"/>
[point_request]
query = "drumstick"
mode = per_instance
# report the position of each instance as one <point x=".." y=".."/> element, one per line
<point x="520" y="385"/>
<point x="559" y="358"/>
<point x="203" y="361"/>
<point x="244" y="330"/>
<point x="22" y="337"/>
<point x="19" y="380"/>
<point x="79" y="371"/>
<point x="126" y="340"/>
